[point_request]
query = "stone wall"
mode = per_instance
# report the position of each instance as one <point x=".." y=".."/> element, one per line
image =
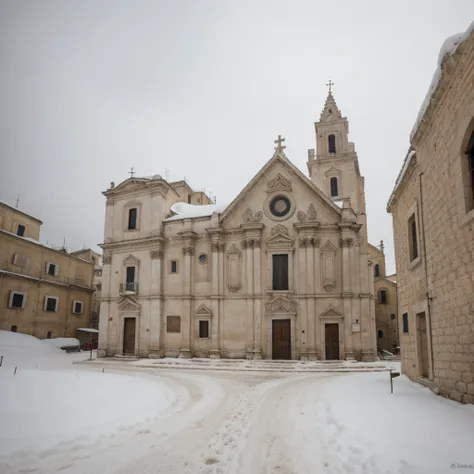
<point x="441" y="282"/>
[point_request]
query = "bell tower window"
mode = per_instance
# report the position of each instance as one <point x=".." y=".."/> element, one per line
<point x="334" y="187"/>
<point x="332" y="144"/>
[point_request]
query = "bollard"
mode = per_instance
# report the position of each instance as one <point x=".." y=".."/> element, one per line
<point x="1" y="361"/>
<point x="14" y="372"/>
<point x="393" y="375"/>
<point x="102" y="370"/>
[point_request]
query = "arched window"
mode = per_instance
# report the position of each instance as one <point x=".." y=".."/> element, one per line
<point x="383" y="297"/>
<point x="377" y="270"/>
<point x="334" y="190"/>
<point x="332" y="144"/>
<point x="380" y="334"/>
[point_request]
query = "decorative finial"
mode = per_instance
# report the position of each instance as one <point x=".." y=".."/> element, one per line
<point x="131" y="172"/>
<point x="279" y="143"/>
<point x="330" y="84"/>
<point x="112" y="185"/>
<point x="17" y="201"/>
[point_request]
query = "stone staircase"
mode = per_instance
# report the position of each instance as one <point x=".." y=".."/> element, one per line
<point x="294" y="366"/>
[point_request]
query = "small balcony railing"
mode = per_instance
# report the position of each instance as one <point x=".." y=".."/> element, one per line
<point x="129" y="287"/>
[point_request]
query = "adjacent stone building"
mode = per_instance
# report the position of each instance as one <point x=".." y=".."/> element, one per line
<point x="433" y="219"/>
<point x="385" y="291"/>
<point x="44" y="292"/>
<point x="281" y="272"/>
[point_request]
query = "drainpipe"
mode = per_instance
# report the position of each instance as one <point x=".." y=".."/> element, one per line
<point x="428" y="299"/>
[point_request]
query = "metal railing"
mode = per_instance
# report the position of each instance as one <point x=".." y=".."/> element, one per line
<point x="129" y="287"/>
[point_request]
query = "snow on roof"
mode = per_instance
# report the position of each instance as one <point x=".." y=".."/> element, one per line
<point x="406" y="164"/>
<point x="191" y="211"/>
<point x="18" y="210"/>
<point x="449" y="47"/>
<point x="88" y="330"/>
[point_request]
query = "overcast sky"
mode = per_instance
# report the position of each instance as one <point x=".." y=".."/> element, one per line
<point x="89" y="89"/>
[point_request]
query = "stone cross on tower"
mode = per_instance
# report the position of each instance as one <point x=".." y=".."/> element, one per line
<point x="131" y="172"/>
<point x="330" y="84"/>
<point x="279" y="143"/>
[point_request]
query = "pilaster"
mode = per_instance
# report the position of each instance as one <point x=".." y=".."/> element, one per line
<point x="188" y="239"/>
<point x="155" y="303"/>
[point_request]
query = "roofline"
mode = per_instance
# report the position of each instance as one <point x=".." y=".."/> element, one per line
<point x="411" y="153"/>
<point x="3" y="203"/>
<point x="3" y="231"/>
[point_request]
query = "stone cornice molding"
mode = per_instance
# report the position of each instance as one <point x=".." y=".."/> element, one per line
<point x="127" y="244"/>
<point x="308" y="225"/>
<point x="252" y="226"/>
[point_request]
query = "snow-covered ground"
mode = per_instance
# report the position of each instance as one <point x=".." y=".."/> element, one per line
<point x="74" y="418"/>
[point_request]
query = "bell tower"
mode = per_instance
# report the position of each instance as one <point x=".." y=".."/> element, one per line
<point x="334" y="166"/>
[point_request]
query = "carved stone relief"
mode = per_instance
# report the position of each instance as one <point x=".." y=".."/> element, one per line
<point x="249" y="216"/>
<point x="233" y="268"/>
<point x="279" y="229"/>
<point x="279" y="183"/>
<point x="310" y="215"/>
<point x="156" y="254"/>
<point x="217" y="246"/>
<point x="188" y="250"/>
<point x="305" y="242"/>
<point x="328" y="266"/>
<point x="251" y="243"/>
<point x="280" y="304"/>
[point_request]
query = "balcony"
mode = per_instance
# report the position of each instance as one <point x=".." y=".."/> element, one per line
<point x="129" y="288"/>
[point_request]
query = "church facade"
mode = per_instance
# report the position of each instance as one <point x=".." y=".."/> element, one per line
<point x="282" y="272"/>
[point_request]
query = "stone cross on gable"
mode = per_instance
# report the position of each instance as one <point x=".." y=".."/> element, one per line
<point x="330" y="84"/>
<point x="131" y="172"/>
<point x="279" y="143"/>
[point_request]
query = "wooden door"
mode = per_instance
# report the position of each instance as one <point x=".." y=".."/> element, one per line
<point x="423" y="345"/>
<point x="332" y="341"/>
<point x="281" y="339"/>
<point x="129" y="335"/>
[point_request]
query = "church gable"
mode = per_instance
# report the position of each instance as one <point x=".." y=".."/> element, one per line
<point x="279" y="178"/>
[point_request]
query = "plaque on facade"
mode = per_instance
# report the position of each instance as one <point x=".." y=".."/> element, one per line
<point x="356" y="327"/>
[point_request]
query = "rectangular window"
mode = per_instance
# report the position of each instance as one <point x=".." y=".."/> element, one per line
<point x="204" y="329"/>
<point x="21" y="230"/>
<point x="21" y="260"/>
<point x="413" y="238"/>
<point x="50" y="303"/>
<point x="130" y="274"/>
<point x="77" y="307"/>
<point x="280" y="272"/>
<point x="173" y="324"/>
<point x="405" y="322"/>
<point x="52" y="269"/>
<point x="17" y="300"/>
<point x="174" y="266"/>
<point x="189" y="198"/>
<point x="14" y="328"/>
<point x="132" y="218"/>
<point x="383" y="297"/>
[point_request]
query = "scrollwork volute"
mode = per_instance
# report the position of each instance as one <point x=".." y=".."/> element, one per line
<point x="188" y="250"/>
<point x="217" y="246"/>
<point x="250" y="216"/>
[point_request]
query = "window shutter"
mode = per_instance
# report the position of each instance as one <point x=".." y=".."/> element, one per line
<point x="45" y="303"/>
<point x="27" y="262"/>
<point x="15" y="258"/>
<point x="23" y="303"/>
<point x="10" y="301"/>
<point x="47" y="268"/>
<point x="56" y="270"/>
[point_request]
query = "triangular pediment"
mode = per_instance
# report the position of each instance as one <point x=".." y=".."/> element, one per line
<point x="131" y="259"/>
<point x="332" y="171"/>
<point x="128" y="303"/>
<point x="279" y="171"/>
<point x="203" y="310"/>
<point x="280" y="304"/>
<point x="331" y="312"/>
<point x="280" y="240"/>
<point x="329" y="246"/>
